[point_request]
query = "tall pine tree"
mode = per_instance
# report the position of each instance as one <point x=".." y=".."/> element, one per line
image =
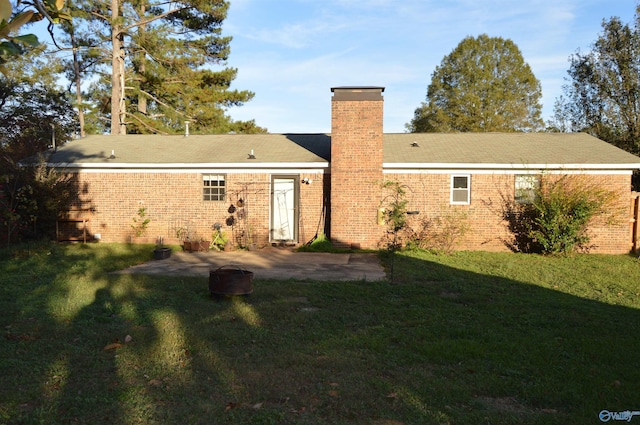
<point x="162" y="64"/>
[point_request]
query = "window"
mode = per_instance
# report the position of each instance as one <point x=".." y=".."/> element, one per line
<point x="526" y="187"/>
<point x="460" y="189"/>
<point x="213" y="188"/>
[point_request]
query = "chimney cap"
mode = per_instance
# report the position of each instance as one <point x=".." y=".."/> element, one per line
<point x="358" y="88"/>
<point x="356" y="93"/>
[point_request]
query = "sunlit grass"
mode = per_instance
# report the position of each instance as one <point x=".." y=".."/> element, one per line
<point x="246" y="312"/>
<point x="462" y="339"/>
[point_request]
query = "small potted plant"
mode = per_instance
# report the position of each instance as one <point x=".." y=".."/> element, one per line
<point x="194" y="243"/>
<point x="200" y="245"/>
<point x="219" y="240"/>
<point x="183" y="236"/>
<point x="190" y="241"/>
<point x="161" y="252"/>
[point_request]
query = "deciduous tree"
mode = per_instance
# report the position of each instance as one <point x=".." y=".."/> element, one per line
<point x="603" y="93"/>
<point x="12" y="18"/>
<point x="34" y="114"/>
<point x="483" y="85"/>
<point x="32" y="108"/>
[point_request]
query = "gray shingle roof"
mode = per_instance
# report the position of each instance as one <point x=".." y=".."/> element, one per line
<point x="196" y="149"/>
<point x="432" y="150"/>
<point x="504" y="148"/>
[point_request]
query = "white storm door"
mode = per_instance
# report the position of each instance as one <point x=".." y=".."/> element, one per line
<point x="283" y="209"/>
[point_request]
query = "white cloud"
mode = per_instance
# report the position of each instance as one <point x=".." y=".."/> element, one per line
<point x="292" y="56"/>
<point x="295" y="36"/>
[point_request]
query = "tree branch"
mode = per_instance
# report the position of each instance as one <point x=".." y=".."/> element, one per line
<point x="98" y="15"/>
<point x="163" y="103"/>
<point x="155" y="18"/>
<point x="147" y="126"/>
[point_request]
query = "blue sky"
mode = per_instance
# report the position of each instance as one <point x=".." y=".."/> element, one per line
<point x="291" y="52"/>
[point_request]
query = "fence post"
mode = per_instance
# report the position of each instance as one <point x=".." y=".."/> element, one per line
<point x="635" y="222"/>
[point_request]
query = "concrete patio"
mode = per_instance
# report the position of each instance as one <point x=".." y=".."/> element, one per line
<point x="269" y="263"/>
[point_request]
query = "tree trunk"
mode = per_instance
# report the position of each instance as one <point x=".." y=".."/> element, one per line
<point x="142" y="98"/>
<point x="77" y="81"/>
<point x="117" y="72"/>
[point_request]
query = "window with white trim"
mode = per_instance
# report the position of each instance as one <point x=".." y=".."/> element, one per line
<point x="461" y="189"/>
<point x="526" y="187"/>
<point x="213" y="187"/>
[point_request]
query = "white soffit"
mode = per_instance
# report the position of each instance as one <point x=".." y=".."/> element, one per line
<point x="439" y="168"/>
<point x="229" y="168"/>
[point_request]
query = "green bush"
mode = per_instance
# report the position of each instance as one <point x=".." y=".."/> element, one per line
<point x="557" y="220"/>
<point x="141" y="222"/>
<point x="31" y="199"/>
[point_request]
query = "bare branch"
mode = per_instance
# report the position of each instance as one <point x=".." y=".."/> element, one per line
<point x="162" y="103"/>
<point x="148" y="127"/>
<point x="98" y="15"/>
<point x="155" y="18"/>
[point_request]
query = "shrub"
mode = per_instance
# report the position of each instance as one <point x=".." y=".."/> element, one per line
<point x="141" y="222"/>
<point x="30" y="199"/>
<point x="394" y="213"/>
<point x="557" y="220"/>
<point x="440" y="233"/>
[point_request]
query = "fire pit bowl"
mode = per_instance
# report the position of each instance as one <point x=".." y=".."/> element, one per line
<point x="230" y="280"/>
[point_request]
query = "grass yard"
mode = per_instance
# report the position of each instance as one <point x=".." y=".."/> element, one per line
<point x="471" y="338"/>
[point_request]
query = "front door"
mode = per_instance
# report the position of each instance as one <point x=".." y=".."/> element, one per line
<point x="284" y="207"/>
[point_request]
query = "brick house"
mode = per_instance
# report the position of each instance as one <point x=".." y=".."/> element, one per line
<point x="287" y="188"/>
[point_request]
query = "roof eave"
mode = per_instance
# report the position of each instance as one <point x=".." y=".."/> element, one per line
<point x="187" y="166"/>
<point x="499" y="166"/>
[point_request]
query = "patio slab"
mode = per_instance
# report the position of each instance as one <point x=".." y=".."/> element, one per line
<point x="269" y="263"/>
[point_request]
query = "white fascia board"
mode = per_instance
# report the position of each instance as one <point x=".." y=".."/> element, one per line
<point x="198" y="170"/>
<point x="240" y="167"/>
<point x="446" y="167"/>
<point x="513" y="171"/>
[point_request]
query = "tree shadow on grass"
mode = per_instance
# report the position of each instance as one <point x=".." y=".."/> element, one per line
<point x="445" y="345"/>
<point x="558" y="357"/>
<point x="58" y="313"/>
<point x="89" y="394"/>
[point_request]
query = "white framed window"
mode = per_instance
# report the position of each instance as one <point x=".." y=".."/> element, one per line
<point x="526" y="186"/>
<point x="460" y="189"/>
<point x="213" y="187"/>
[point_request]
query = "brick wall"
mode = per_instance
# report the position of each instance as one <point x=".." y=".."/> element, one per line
<point x="430" y="194"/>
<point x="356" y="166"/>
<point x="174" y="201"/>
<point x="312" y="203"/>
<point x="611" y="234"/>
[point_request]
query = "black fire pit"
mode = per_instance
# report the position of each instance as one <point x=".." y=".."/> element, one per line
<point x="230" y="280"/>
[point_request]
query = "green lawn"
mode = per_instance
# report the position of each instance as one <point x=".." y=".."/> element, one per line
<point x="471" y="338"/>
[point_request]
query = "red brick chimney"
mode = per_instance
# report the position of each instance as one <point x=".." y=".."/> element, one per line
<point x="356" y="166"/>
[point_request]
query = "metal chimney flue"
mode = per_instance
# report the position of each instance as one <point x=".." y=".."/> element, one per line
<point x="53" y="137"/>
